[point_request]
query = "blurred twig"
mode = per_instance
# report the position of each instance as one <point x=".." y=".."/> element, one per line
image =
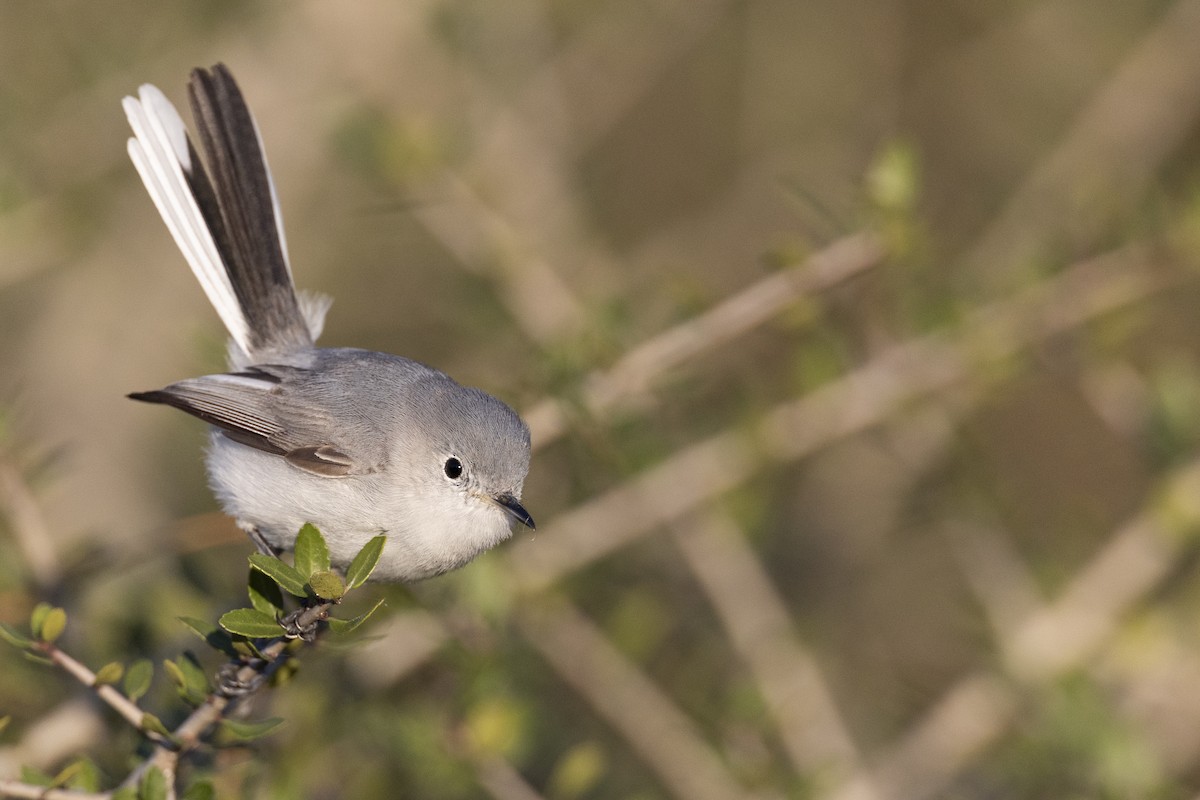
<point x="502" y="781"/>
<point x="757" y="623"/>
<point x="1117" y="144"/>
<point x="635" y="373"/>
<point x="1052" y="640"/>
<point x="29" y="527"/>
<point x="665" y="738"/>
<point x="862" y="398"/>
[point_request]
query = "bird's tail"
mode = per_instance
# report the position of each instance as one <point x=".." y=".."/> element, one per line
<point x="224" y="218"/>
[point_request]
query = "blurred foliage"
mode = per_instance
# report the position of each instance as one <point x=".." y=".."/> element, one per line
<point x="525" y="193"/>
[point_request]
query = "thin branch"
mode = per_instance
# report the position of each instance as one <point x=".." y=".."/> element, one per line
<point x="252" y="674"/>
<point x="758" y="625"/>
<point x="29" y="527"/>
<point x="1115" y="147"/>
<point x="128" y="709"/>
<point x="631" y="377"/>
<point x="28" y="791"/>
<point x="662" y="735"/>
<point x="863" y="398"/>
<point x="1053" y="640"/>
<point x="502" y="781"/>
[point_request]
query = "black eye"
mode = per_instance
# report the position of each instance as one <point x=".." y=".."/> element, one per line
<point x="453" y="467"/>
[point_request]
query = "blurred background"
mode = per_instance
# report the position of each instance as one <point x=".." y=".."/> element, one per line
<point x="858" y="341"/>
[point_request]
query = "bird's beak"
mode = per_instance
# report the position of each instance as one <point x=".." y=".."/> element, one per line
<point x="514" y="508"/>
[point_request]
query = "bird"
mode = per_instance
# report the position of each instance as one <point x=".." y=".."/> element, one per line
<point x="356" y="442"/>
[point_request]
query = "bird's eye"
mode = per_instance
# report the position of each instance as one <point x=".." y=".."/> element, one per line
<point x="453" y="467"/>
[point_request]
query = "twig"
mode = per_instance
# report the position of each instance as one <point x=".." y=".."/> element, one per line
<point x="661" y="734"/>
<point x="28" y="791"/>
<point x="253" y="674"/>
<point x="1116" y="145"/>
<point x="906" y="373"/>
<point x="128" y="709"/>
<point x="635" y="373"/>
<point x="502" y="781"/>
<point x="756" y="620"/>
<point x="29" y="527"/>
<point x="1052" y="641"/>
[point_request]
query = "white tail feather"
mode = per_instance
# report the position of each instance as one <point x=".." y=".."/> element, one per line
<point x="159" y="151"/>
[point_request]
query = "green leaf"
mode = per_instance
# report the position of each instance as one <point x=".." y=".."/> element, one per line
<point x="194" y="687"/>
<point x="109" y="673"/>
<point x="137" y="678"/>
<point x="153" y="724"/>
<point x="9" y="634"/>
<point x="87" y="776"/>
<point x="4" y="722"/>
<point x="153" y="786"/>
<point x="200" y="790"/>
<point x="344" y="626"/>
<point x="34" y="776"/>
<point x="124" y="793"/>
<point x="251" y="623"/>
<point x="264" y="593"/>
<point x="173" y="672"/>
<point x="310" y="554"/>
<point x="54" y="624"/>
<point x="249" y="731"/>
<point x="327" y="585"/>
<point x="78" y="775"/>
<point x="38" y="617"/>
<point x="286" y="576"/>
<point x="213" y="635"/>
<point x="364" y="563"/>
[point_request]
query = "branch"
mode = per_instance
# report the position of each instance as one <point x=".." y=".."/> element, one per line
<point x="128" y="709"/>
<point x="32" y="792"/>
<point x="248" y="676"/>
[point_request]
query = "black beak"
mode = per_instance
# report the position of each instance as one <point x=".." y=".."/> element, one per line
<point x="517" y="511"/>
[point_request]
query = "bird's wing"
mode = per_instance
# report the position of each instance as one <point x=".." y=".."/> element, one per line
<point x="261" y="408"/>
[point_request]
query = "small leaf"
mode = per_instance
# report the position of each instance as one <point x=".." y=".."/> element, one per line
<point x="173" y="672"/>
<point x="286" y="576"/>
<point x="327" y="585"/>
<point x="364" y="563"/>
<point x="34" y="776"/>
<point x="86" y="776"/>
<point x="109" y="673"/>
<point x="200" y="790"/>
<point x="195" y="687"/>
<point x="4" y="722"/>
<point x="213" y="635"/>
<point x="153" y="786"/>
<point x="67" y="773"/>
<point x="153" y="724"/>
<point x="264" y="593"/>
<point x="310" y="554"/>
<point x="251" y="623"/>
<point x="38" y="617"/>
<point x="137" y="678"/>
<point x="9" y="634"/>
<point x="249" y="731"/>
<point x="53" y="625"/>
<point x="343" y="626"/>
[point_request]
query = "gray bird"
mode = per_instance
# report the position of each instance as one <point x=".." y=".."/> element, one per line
<point x="358" y="443"/>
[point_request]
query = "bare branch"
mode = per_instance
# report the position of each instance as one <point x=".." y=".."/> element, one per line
<point x="28" y="791"/>
<point x="128" y="709"/>
<point x="757" y="623"/>
<point x="619" y="692"/>
<point x="29" y="527"/>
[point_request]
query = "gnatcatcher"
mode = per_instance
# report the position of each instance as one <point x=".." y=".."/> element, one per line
<point x="356" y="442"/>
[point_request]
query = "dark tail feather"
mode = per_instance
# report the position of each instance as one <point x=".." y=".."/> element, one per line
<point x="239" y="207"/>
